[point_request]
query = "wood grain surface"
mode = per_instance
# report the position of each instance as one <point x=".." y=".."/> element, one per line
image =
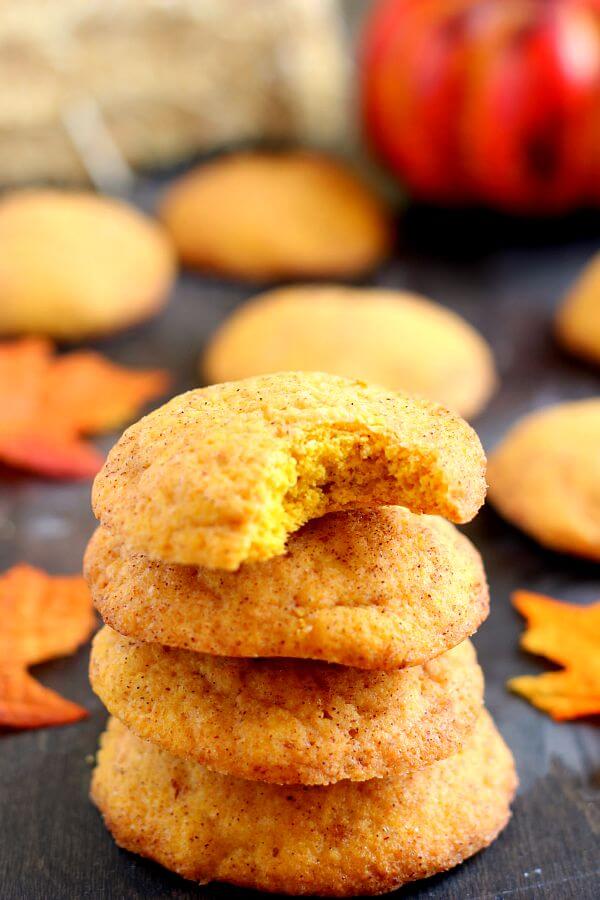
<point x="505" y="277"/>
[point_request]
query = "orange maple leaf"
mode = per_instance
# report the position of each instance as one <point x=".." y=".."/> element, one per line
<point x="41" y="617"/>
<point x="96" y="394"/>
<point x="48" y="402"/>
<point x="569" y="635"/>
<point x="25" y="703"/>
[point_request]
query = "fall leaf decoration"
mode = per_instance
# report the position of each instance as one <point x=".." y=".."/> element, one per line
<point x="568" y="635"/>
<point x="48" y="402"/>
<point x="41" y="617"/>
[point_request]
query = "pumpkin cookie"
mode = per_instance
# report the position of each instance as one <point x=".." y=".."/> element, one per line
<point x="263" y="215"/>
<point x="75" y="264"/>
<point x="578" y="319"/>
<point x="374" y="589"/>
<point x="289" y="721"/>
<point x="225" y="474"/>
<point x="346" y="839"/>
<point x="398" y="340"/>
<point x="545" y="477"/>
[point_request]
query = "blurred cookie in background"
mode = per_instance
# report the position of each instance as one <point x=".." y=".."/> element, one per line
<point x="578" y="318"/>
<point x="398" y="340"/>
<point x="267" y="216"/>
<point x="74" y="265"/>
<point x="545" y="477"/>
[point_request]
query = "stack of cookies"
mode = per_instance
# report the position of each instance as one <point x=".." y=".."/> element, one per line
<point x="297" y="706"/>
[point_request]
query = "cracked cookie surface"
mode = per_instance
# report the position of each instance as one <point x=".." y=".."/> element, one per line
<point x="289" y="721"/>
<point x="345" y="839"/>
<point x="375" y="589"/>
<point x="224" y="474"/>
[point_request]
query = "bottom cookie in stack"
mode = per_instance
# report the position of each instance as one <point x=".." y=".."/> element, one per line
<point x="343" y="839"/>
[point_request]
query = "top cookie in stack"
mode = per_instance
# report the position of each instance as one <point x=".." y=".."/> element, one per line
<point x="294" y="515"/>
<point x="222" y="476"/>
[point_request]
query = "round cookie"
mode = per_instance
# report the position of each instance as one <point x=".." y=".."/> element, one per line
<point x="395" y="339"/>
<point x="578" y="319"/>
<point x="545" y="477"/>
<point x="256" y="216"/>
<point x="346" y="839"/>
<point x="373" y="589"/>
<point x="223" y="475"/>
<point x="289" y="721"/>
<point x="76" y="264"/>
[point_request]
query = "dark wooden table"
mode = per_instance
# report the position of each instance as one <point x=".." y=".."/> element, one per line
<point x="506" y="278"/>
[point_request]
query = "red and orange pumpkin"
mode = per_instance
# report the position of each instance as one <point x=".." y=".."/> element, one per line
<point x="494" y="101"/>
